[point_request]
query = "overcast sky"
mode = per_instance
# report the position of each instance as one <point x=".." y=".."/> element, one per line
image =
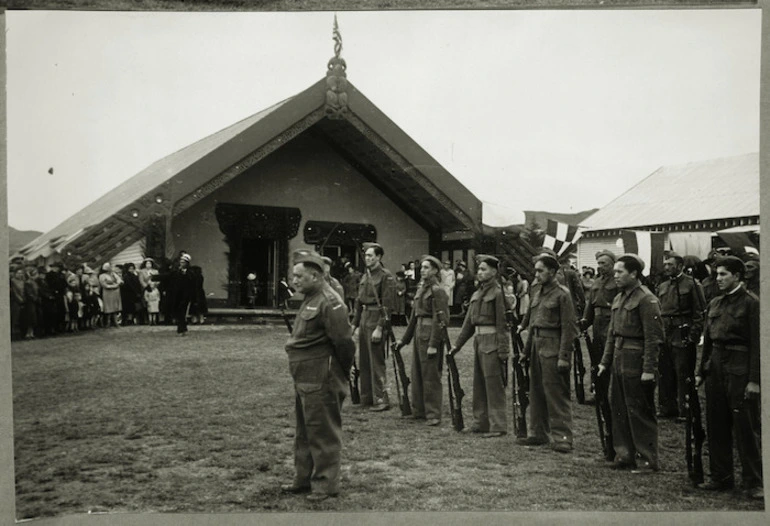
<point x="538" y="110"/>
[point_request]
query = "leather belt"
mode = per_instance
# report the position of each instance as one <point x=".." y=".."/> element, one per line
<point x="546" y="332"/>
<point x="370" y="306"/>
<point x="486" y="329"/>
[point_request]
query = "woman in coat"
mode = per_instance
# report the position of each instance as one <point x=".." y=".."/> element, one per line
<point x="110" y="282"/>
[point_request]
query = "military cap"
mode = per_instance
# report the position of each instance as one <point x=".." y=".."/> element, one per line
<point x="309" y="257"/>
<point x="549" y="251"/>
<point x="675" y="256"/>
<point x="433" y="261"/>
<point x="733" y="264"/>
<point x="636" y="258"/>
<point x="462" y="264"/>
<point x="607" y="253"/>
<point x="492" y="261"/>
<point x="186" y="257"/>
<point x="546" y="256"/>
<point x="327" y="260"/>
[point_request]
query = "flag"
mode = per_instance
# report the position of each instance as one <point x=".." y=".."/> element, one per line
<point x="559" y="236"/>
<point x="647" y="245"/>
<point x="739" y="243"/>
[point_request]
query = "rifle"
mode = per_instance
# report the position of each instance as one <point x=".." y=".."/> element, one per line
<point x="694" y="433"/>
<point x="398" y="366"/>
<point x="286" y="319"/>
<point x="601" y="406"/>
<point x="519" y="379"/>
<point x="456" y="392"/>
<point x="579" y="372"/>
<point x="355" y="394"/>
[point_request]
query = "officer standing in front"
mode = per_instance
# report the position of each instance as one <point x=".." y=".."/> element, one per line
<point x="552" y="330"/>
<point x="597" y="314"/>
<point x="431" y="308"/>
<point x="375" y="301"/>
<point x="321" y="352"/>
<point x="682" y="308"/>
<point x="485" y="320"/>
<point x="633" y="346"/>
<point x="731" y="369"/>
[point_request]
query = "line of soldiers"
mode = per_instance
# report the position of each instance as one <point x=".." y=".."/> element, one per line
<point x="630" y="328"/>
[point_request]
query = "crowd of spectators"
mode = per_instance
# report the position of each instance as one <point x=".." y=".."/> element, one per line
<point x="59" y="299"/>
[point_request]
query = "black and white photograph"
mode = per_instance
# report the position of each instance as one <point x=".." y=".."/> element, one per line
<point x="385" y="261"/>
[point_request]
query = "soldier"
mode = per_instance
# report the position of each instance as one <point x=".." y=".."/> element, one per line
<point x="633" y="345"/>
<point x="331" y="280"/>
<point x="552" y="329"/>
<point x="430" y="309"/>
<point x="376" y="297"/>
<point x="752" y="276"/>
<point x="597" y="314"/>
<point x="350" y="284"/>
<point x="710" y="287"/>
<point x="730" y="366"/>
<point x="320" y="353"/>
<point x="491" y="346"/>
<point x="682" y="307"/>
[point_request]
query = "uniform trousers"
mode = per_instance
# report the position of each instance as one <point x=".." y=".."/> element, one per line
<point x="426" y="379"/>
<point x="320" y="391"/>
<point x="728" y="412"/>
<point x="550" y="410"/>
<point x="634" y="424"/>
<point x="676" y="365"/>
<point x="489" y="413"/>
<point x="371" y="360"/>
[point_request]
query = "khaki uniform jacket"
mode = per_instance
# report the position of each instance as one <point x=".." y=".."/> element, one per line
<point x="601" y="294"/>
<point x="381" y="286"/>
<point x="321" y="329"/>
<point x="636" y="327"/>
<point x="683" y="307"/>
<point x="552" y="308"/>
<point x="487" y="307"/>
<point x="429" y="301"/>
<point x="733" y="322"/>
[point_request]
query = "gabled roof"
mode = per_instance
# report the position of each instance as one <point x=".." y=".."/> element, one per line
<point x="365" y="137"/>
<point x="717" y="189"/>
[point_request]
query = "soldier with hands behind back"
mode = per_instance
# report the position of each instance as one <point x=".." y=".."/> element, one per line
<point x="321" y="352"/>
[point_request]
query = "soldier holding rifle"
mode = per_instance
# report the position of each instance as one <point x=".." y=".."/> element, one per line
<point x="597" y="314"/>
<point x="321" y="352"/>
<point x="485" y="320"/>
<point x="430" y="304"/>
<point x="730" y="367"/>
<point x="682" y="307"/>
<point x="633" y="345"/>
<point x="376" y="296"/>
<point x="552" y="328"/>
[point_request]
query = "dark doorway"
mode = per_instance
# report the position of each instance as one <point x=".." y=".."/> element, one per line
<point x="257" y="256"/>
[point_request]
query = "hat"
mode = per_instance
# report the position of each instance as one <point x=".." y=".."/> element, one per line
<point x="461" y="263"/>
<point x="732" y="263"/>
<point x="675" y="256"/>
<point x="87" y="269"/>
<point x="605" y="252"/>
<point x="105" y="266"/>
<point x="549" y="257"/>
<point x="186" y="257"/>
<point x="433" y="260"/>
<point x="145" y="260"/>
<point x="348" y="264"/>
<point x="634" y="257"/>
<point x="549" y="251"/>
<point x="367" y="246"/>
<point x="492" y="261"/>
<point x="251" y="276"/>
<point x="310" y="257"/>
<point x="327" y="260"/>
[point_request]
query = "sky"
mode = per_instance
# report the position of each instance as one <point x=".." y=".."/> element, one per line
<point x="531" y="110"/>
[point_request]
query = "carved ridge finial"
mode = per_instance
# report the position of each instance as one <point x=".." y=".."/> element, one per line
<point x="336" y="79"/>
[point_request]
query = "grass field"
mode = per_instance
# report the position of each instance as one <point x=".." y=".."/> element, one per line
<point x="136" y="419"/>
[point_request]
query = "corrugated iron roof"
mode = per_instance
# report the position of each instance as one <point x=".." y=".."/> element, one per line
<point x="715" y="189"/>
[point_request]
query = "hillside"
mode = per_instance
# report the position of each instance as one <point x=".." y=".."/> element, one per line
<point x="19" y="238"/>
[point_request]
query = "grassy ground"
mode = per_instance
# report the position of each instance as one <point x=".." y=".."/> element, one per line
<point x="136" y="419"/>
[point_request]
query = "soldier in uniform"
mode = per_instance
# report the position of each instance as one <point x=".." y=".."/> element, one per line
<point x="376" y="297"/>
<point x="552" y="328"/>
<point x="486" y="319"/>
<point x="331" y="280"/>
<point x="321" y="352"/>
<point x="597" y="314"/>
<point x="752" y="276"/>
<point x="731" y="369"/>
<point x="710" y="287"/>
<point x="431" y="308"/>
<point x="682" y="307"/>
<point x="633" y="345"/>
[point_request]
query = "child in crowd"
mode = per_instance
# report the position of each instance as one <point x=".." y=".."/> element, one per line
<point x="152" y="299"/>
<point x="94" y="306"/>
<point x="70" y="311"/>
<point x="79" y="312"/>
